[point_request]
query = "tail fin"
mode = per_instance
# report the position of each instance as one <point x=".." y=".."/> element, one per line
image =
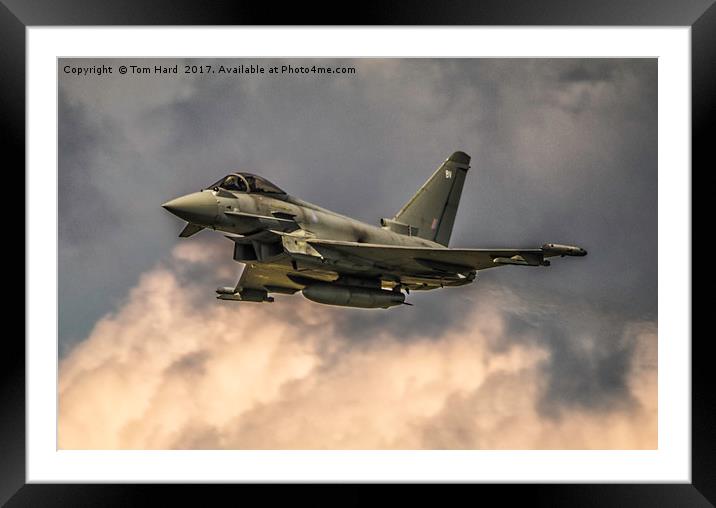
<point x="433" y="208"/>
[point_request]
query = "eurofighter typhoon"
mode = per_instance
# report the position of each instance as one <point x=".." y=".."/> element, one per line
<point x="289" y="245"/>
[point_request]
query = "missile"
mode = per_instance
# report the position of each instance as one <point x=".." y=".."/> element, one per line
<point x="224" y="296"/>
<point x="226" y="290"/>
<point x="515" y="260"/>
<point x="243" y="295"/>
<point x="524" y="259"/>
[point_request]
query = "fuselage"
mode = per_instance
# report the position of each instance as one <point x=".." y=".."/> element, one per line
<point x="313" y="219"/>
<point x="252" y="221"/>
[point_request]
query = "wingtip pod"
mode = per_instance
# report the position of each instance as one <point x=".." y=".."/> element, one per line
<point x="563" y="250"/>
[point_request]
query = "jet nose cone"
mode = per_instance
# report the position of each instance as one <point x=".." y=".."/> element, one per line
<point x="197" y="208"/>
<point x="175" y="204"/>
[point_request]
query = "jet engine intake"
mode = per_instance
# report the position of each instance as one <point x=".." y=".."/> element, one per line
<point x="244" y="252"/>
<point x="265" y="251"/>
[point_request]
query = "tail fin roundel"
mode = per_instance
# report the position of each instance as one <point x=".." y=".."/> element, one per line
<point x="431" y="211"/>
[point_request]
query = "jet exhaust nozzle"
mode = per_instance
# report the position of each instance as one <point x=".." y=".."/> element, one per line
<point x="352" y="296"/>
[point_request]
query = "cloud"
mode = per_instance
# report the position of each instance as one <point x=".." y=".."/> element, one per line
<point x="175" y="368"/>
<point x="563" y="150"/>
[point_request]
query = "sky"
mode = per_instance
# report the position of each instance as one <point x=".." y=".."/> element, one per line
<point x="563" y="150"/>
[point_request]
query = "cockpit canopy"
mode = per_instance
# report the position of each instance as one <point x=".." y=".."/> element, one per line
<point x="246" y="182"/>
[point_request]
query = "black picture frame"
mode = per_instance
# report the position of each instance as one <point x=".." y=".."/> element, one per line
<point x="16" y="15"/>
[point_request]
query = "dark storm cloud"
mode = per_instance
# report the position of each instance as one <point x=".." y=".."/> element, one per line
<point x="86" y="217"/>
<point x="182" y="371"/>
<point x="563" y="150"/>
<point x="80" y="139"/>
<point x="590" y="354"/>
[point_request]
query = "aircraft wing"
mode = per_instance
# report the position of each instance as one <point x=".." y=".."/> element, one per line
<point x="422" y="259"/>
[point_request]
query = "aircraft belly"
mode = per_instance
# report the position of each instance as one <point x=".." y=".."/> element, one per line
<point x="300" y="265"/>
<point x="276" y="277"/>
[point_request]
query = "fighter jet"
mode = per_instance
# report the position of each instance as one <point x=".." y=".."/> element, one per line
<point x="288" y="245"/>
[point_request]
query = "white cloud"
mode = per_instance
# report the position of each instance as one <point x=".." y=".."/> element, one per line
<point x="167" y="372"/>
